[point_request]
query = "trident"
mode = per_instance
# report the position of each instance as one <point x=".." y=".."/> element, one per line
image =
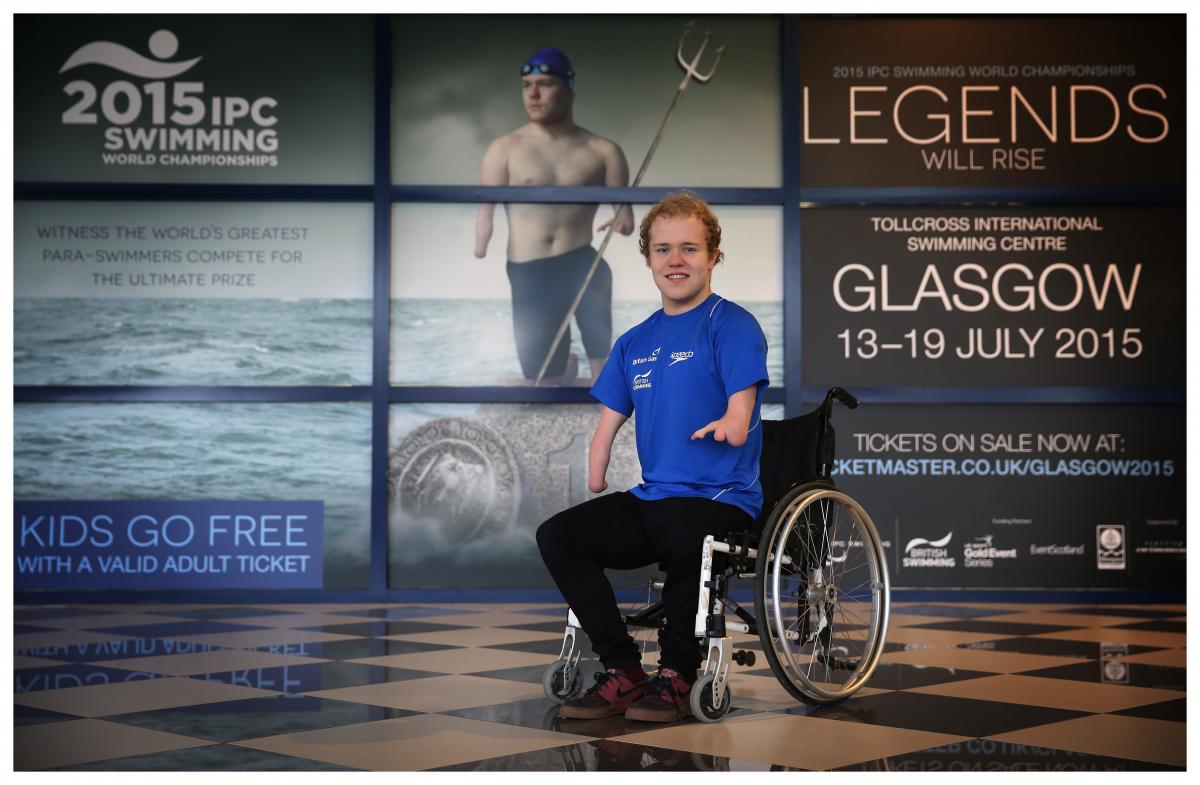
<point x="690" y="72"/>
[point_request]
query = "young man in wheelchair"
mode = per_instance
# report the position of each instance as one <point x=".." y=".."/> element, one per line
<point x="694" y="372"/>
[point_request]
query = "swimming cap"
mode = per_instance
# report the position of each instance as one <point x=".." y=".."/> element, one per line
<point x="550" y="60"/>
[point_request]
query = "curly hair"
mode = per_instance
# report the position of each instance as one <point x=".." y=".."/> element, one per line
<point x="682" y="204"/>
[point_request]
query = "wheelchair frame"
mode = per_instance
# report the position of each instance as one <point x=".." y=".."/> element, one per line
<point x="788" y="552"/>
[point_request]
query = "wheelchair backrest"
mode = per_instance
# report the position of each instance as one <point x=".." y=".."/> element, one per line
<point x="793" y="452"/>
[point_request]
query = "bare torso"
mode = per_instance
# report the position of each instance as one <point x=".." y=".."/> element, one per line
<point x="536" y="231"/>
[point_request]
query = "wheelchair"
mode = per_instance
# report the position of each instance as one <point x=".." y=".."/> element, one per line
<point x="821" y="588"/>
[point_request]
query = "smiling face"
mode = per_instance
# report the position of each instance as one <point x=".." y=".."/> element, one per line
<point x="680" y="262"/>
<point x="547" y="98"/>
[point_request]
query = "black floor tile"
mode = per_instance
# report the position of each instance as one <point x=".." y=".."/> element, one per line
<point x="937" y="713"/>
<point x="20" y="629"/>
<point x="353" y="649"/>
<point x="987" y="755"/>
<point x="1133" y="613"/>
<point x="177" y="629"/>
<point x="311" y="678"/>
<point x="1155" y="626"/>
<point x="532" y="674"/>
<point x="1118" y="672"/>
<point x="955" y="611"/>
<point x="1055" y="647"/>
<point x="27" y="715"/>
<point x="382" y="627"/>
<point x="541" y="713"/>
<point x="258" y="717"/>
<point x="57" y="677"/>
<point x="232" y="612"/>
<point x="553" y="646"/>
<point x="603" y="755"/>
<point x="116" y="650"/>
<point x="897" y="676"/>
<point x="1171" y="711"/>
<point x="888" y="648"/>
<point x="217" y="757"/>
<point x="558" y="625"/>
<point x="28" y="613"/>
<point x="992" y="627"/>
<point x="405" y="613"/>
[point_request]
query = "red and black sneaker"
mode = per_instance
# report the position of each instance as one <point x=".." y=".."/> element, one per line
<point x="612" y="693"/>
<point x="666" y="699"/>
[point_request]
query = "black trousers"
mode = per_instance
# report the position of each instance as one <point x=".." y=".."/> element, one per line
<point x="622" y="532"/>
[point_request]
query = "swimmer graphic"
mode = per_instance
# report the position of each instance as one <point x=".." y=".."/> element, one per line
<point x="163" y="44"/>
<point x="549" y="245"/>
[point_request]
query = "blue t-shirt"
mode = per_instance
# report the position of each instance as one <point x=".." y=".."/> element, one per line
<point x="678" y="372"/>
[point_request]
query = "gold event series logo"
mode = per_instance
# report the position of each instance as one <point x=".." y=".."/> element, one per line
<point x="164" y="121"/>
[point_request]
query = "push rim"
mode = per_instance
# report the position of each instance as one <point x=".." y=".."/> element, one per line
<point x="827" y="594"/>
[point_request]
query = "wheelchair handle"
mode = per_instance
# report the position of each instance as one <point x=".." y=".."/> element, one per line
<point x="842" y="396"/>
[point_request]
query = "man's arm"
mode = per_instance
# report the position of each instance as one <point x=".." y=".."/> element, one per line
<point x="616" y="175"/>
<point x="601" y="448"/>
<point x="734" y="425"/>
<point x="493" y="171"/>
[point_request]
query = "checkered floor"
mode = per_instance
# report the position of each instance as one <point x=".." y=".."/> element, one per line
<point x="458" y="687"/>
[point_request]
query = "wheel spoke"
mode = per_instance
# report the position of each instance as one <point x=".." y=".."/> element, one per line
<point x="843" y="653"/>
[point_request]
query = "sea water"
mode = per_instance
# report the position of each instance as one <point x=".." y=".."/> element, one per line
<point x="180" y="451"/>
<point x="470" y="342"/>
<point x="101" y="341"/>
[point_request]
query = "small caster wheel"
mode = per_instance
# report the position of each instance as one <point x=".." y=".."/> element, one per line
<point x="744" y="658"/>
<point x="552" y="683"/>
<point x="702" y="700"/>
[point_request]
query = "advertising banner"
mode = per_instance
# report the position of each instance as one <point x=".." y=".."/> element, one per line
<point x="168" y="544"/>
<point x="968" y="296"/>
<point x="194" y="99"/>
<point x="457" y="92"/>
<point x="1036" y="101"/>
<point x="1030" y="496"/>
<point x="158" y="466"/>
<point x="468" y="485"/>
<point x="460" y="318"/>
<point x="191" y="293"/>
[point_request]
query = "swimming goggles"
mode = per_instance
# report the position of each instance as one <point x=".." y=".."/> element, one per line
<point x="544" y="68"/>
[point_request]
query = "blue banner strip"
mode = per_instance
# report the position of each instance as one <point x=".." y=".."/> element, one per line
<point x="168" y="544"/>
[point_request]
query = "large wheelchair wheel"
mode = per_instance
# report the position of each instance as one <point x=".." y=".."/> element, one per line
<point x="821" y="594"/>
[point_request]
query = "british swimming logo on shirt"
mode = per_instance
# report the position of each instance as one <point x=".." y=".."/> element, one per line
<point x="652" y="358"/>
<point x="642" y="380"/>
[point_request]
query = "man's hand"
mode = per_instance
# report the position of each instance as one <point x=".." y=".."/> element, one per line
<point x="623" y="220"/>
<point x="734" y="425"/>
<point x="597" y="486"/>
<point x="720" y="433"/>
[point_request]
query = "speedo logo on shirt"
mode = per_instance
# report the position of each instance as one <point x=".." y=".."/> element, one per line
<point x="642" y="380"/>
<point x="678" y="357"/>
<point x="652" y="358"/>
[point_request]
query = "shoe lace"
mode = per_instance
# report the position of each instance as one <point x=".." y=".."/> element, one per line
<point x="662" y="687"/>
<point x="601" y="679"/>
